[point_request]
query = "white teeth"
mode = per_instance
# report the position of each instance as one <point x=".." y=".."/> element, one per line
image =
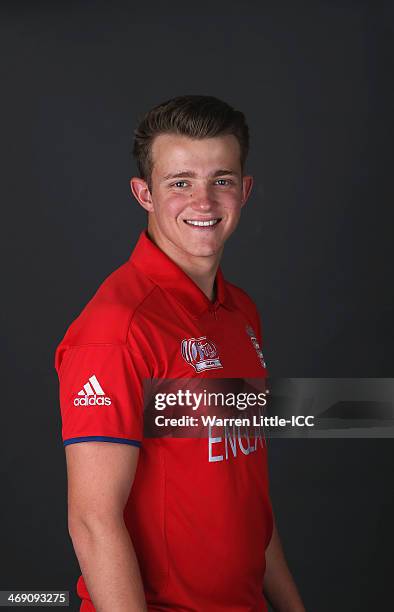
<point x="202" y="223"/>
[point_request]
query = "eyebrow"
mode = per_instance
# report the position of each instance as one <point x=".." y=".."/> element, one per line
<point x="191" y="174"/>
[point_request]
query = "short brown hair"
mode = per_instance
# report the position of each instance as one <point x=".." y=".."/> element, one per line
<point x="194" y="116"/>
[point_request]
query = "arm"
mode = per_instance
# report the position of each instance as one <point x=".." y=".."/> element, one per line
<point x="279" y="585"/>
<point x="100" y="475"/>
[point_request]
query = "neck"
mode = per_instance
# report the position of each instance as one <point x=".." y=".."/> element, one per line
<point x="202" y="270"/>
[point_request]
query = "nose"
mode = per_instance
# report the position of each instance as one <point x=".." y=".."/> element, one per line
<point x="202" y="198"/>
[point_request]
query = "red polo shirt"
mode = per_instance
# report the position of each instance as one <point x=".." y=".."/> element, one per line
<point x="199" y="513"/>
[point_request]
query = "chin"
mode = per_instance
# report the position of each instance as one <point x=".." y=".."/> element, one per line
<point x="200" y="251"/>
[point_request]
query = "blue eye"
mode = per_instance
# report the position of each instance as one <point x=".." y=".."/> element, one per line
<point x="178" y="183"/>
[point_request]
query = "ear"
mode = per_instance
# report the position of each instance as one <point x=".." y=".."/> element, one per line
<point x="140" y="191"/>
<point x="247" y="184"/>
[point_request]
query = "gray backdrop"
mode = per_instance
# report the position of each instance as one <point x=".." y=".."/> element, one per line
<point x="314" y="247"/>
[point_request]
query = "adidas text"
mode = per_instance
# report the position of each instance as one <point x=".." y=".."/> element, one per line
<point x="92" y="400"/>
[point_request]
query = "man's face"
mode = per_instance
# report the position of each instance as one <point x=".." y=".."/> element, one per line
<point x="195" y="181"/>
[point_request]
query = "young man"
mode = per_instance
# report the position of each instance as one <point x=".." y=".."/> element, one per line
<point x="161" y="523"/>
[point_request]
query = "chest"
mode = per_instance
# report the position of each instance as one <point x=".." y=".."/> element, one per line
<point x="218" y="344"/>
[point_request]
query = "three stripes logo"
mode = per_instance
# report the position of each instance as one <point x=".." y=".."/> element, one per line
<point x="92" y="394"/>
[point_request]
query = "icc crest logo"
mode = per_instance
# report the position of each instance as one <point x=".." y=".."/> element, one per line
<point x="200" y="353"/>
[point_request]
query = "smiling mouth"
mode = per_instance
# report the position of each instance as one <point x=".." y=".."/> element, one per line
<point x="208" y="224"/>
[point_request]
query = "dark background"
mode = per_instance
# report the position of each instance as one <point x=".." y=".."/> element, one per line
<point x="314" y="247"/>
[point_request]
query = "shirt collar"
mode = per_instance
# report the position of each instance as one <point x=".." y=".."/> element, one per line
<point x="163" y="271"/>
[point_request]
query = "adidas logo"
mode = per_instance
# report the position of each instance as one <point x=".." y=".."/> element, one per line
<point x="92" y="394"/>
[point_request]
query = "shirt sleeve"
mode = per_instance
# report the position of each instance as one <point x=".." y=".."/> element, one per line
<point x="101" y="389"/>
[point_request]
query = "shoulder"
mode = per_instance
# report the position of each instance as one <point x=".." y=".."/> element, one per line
<point x="244" y="303"/>
<point x="106" y="318"/>
<point x="241" y="298"/>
